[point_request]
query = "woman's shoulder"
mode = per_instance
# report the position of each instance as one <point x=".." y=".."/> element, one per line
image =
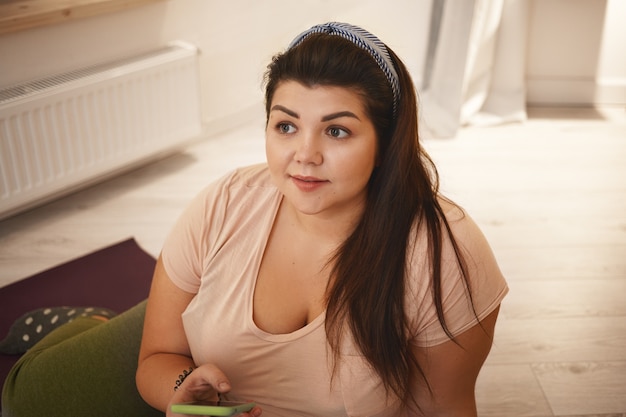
<point x="451" y="210"/>
<point x="464" y="233"/>
<point x="230" y="196"/>
<point x="249" y="176"/>
<point x="461" y="223"/>
<point x="251" y="184"/>
<point x="237" y="181"/>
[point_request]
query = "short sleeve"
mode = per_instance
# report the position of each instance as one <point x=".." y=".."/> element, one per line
<point x="464" y="304"/>
<point x="194" y="235"/>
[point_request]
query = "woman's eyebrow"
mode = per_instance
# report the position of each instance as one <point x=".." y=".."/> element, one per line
<point x="338" y="115"/>
<point x="326" y="118"/>
<point x="286" y="110"/>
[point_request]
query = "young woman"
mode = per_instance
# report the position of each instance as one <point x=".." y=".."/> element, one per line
<point x="333" y="280"/>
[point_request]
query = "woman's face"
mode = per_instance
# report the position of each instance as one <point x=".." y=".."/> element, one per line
<point x="321" y="148"/>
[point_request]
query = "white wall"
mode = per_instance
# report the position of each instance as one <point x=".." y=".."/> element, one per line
<point x="576" y="52"/>
<point x="237" y="39"/>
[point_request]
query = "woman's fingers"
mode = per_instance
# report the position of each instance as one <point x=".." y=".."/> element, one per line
<point x="205" y="383"/>
<point x="202" y="384"/>
<point x="207" y="377"/>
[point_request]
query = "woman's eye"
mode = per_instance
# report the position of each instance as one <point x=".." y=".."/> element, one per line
<point x="286" y="128"/>
<point x="338" y="132"/>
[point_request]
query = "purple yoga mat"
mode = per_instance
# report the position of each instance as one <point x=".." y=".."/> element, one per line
<point x="116" y="277"/>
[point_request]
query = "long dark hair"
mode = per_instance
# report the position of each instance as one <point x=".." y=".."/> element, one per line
<point x="366" y="292"/>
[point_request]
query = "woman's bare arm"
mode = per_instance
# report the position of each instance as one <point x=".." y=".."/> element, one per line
<point x="451" y="370"/>
<point x="164" y="353"/>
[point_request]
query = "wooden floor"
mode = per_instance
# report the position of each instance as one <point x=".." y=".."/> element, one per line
<point x="549" y="194"/>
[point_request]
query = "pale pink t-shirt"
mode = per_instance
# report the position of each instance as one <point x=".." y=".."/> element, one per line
<point x="215" y="251"/>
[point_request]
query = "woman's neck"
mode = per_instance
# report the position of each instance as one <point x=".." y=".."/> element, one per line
<point x="327" y="228"/>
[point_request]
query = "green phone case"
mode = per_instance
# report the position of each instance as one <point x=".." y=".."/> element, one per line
<point x="225" y="408"/>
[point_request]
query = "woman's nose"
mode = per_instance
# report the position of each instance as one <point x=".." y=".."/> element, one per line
<point x="308" y="150"/>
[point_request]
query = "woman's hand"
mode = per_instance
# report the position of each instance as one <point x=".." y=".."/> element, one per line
<point x="205" y="383"/>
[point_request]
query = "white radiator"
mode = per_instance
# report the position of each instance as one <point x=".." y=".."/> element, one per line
<point x="65" y="131"/>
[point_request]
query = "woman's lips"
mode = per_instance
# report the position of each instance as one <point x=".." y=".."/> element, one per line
<point x="306" y="183"/>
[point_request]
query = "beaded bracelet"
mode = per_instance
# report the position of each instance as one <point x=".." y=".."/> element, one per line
<point x="182" y="377"/>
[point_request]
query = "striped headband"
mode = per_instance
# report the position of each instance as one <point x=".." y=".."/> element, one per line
<point x="364" y="40"/>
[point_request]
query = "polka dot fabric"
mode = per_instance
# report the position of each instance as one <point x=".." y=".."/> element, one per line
<point x="35" y="325"/>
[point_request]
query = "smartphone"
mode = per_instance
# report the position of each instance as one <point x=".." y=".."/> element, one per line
<point x="212" y="408"/>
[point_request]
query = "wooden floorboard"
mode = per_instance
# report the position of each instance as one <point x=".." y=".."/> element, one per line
<point x="583" y="387"/>
<point x="497" y="396"/>
<point x="549" y="194"/>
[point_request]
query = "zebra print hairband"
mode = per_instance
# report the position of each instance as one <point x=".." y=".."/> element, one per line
<point x="364" y="40"/>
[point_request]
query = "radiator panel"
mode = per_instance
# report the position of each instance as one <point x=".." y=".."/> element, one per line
<point x="66" y="131"/>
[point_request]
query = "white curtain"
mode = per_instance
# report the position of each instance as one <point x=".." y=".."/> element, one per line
<point x="475" y="65"/>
